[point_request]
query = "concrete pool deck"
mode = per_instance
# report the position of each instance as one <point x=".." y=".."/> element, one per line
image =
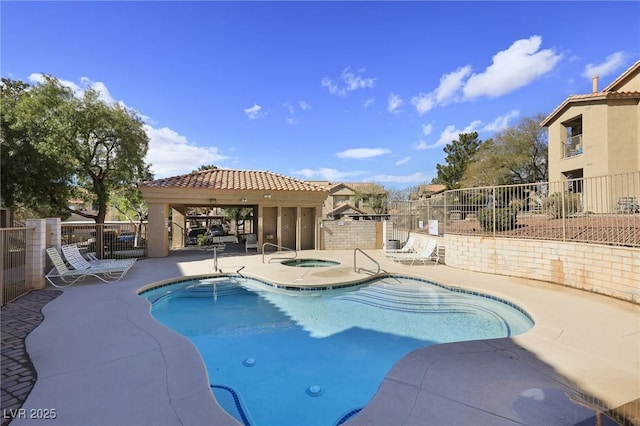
<point x="102" y="359"/>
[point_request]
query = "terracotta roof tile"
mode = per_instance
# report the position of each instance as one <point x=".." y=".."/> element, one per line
<point x="221" y="179"/>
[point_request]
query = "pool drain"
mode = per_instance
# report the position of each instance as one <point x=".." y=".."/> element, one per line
<point x="249" y="362"/>
<point x="315" y="390"/>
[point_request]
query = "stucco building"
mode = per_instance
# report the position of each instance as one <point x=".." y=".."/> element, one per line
<point x="286" y="211"/>
<point x="598" y="134"/>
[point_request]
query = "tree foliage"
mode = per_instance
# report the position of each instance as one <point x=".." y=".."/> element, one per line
<point x="459" y="154"/>
<point x="59" y="145"/>
<point x="517" y="154"/>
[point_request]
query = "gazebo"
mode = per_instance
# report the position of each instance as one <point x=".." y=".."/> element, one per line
<point x="286" y="211"/>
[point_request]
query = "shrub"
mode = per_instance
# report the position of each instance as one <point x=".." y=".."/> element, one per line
<point x="553" y="204"/>
<point x="505" y="218"/>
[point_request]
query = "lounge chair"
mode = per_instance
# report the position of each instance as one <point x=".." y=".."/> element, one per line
<point x="427" y="254"/>
<point x="408" y="247"/>
<point x="106" y="273"/>
<point x="251" y="241"/>
<point x="73" y="256"/>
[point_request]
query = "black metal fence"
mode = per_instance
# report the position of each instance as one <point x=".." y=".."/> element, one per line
<point x="14" y="243"/>
<point x="109" y="240"/>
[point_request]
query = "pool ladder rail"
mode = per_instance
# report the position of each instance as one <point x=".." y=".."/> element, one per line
<point x="295" y="253"/>
<point x="358" y="270"/>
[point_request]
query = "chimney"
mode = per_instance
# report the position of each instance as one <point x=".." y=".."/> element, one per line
<point x="595" y="84"/>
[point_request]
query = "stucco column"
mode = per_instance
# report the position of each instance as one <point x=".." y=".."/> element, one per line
<point x="279" y="228"/>
<point x="158" y="234"/>
<point x="36" y="253"/>
<point x="178" y="227"/>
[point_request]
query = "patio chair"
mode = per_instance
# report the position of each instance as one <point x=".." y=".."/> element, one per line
<point x="251" y="242"/>
<point x="106" y="273"/>
<point x="408" y="247"/>
<point x="427" y="254"/>
<point x="73" y="256"/>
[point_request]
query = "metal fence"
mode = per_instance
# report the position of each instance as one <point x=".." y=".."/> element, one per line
<point x="14" y="243"/>
<point x="603" y="210"/>
<point x="108" y="240"/>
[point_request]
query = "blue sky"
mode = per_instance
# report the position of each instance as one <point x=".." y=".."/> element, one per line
<point x="339" y="91"/>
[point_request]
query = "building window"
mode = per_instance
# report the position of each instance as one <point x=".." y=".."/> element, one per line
<point x="572" y="145"/>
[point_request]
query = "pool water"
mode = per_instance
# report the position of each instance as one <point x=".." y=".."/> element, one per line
<point x="277" y="357"/>
<point x="310" y="263"/>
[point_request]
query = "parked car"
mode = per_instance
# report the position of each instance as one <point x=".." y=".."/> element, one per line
<point x="216" y="231"/>
<point x="193" y="234"/>
<point x="126" y="239"/>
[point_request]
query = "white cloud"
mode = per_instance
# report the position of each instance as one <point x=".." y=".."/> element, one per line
<point x="423" y="103"/>
<point x="501" y="122"/>
<point x="512" y="69"/>
<point x="348" y="81"/>
<point x="449" y="134"/>
<point x="79" y="89"/>
<point x="450" y="85"/>
<point x="394" y="104"/>
<point x="611" y="64"/>
<point x="362" y="153"/>
<point x="417" y="177"/>
<point x="325" y="173"/>
<point x="421" y="145"/>
<point x="304" y="105"/>
<point x="369" y="102"/>
<point x="427" y="129"/>
<point x="403" y="160"/>
<point x="171" y="154"/>
<point x="253" y="112"/>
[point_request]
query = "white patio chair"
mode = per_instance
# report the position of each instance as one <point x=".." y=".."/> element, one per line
<point x="73" y="256"/>
<point x="105" y="273"/>
<point x="251" y="241"/>
<point x="427" y="254"/>
<point x="408" y="247"/>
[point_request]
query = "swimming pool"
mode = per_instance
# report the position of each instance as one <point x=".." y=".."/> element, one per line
<point x="278" y="357"/>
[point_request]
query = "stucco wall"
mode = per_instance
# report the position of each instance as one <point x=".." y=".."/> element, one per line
<point x="348" y="234"/>
<point x="614" y="271"/>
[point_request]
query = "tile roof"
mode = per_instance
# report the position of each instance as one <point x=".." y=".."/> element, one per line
<point x="226" y="179"/>
<point x="362" y="187"/>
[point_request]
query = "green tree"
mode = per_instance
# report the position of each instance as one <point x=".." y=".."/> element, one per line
<point x="75" y="147"/>
<point x="30" y="179"/>
<point x="518" y="154"/>
<point x="205" y="167"/>
<point x="459" y="154"/>
<point x="236" y="214"/>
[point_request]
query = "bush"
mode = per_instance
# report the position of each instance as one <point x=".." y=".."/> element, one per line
<point x="505" y="218"/>
<point x="553" y="204"/>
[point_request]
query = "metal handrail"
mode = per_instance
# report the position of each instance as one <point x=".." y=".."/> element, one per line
<point x="356" y="269"/>
<point x="295" y="253"/>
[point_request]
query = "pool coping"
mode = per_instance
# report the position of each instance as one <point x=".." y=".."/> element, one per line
<point x="118" y="342"/>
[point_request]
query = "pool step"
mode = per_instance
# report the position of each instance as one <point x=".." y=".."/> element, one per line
<point x="436" y="301"/>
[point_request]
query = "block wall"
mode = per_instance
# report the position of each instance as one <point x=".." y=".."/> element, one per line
<point x="348" y="234"/>
<point x="609" y="270"/>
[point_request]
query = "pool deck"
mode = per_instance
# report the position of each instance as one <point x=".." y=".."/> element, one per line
<point x="101" y="359"/>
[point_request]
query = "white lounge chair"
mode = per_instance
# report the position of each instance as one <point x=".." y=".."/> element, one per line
<point x="408" y="247"/>
<point x="106" y="273"/>
<point x="251" y="241"/>
<point x="73" y="256"/>
<point x="427" y="254"/>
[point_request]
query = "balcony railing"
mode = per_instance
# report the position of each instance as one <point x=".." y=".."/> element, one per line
<point x="572" y="146"/>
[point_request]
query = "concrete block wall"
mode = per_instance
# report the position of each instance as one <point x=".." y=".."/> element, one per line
<point x="348" y="234"/>
<point x="609" y="270"/>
